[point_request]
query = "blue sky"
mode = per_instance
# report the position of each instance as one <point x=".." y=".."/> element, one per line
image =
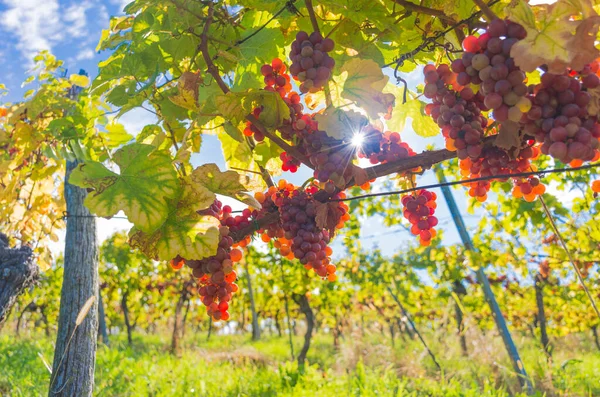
<point x="71" y="30"/>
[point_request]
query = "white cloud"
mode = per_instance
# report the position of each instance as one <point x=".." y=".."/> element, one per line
<point x="41" y="24"/>
<point x="35" y="22"/>
<point x="75" y="20"/>
<point x="85" y="54"/>
<point x="121" y="4"/>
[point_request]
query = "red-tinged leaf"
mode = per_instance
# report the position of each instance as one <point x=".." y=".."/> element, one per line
<point x="359" y="174"/>
<point x="328" y="216"/>
<point x="560" y="35"/>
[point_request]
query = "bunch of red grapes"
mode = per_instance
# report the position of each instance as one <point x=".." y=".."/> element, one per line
<point x="559" y="118"/>
<point x="311" y="65"/>
<point x="487" y="62"/>
<point x="382" y="147"/>
<point x="457" y="113"/>
<point x="419" y="209"/>
<point x="296" y="234"/>
<point x="215" y="273"/>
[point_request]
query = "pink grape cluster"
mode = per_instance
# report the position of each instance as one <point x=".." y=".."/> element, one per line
<point x="311" y="65"/>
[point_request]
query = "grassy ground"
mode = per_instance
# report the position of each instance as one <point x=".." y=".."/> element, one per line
<point x="370" y="366"/>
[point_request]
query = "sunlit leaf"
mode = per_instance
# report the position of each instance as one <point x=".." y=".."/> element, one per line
<point x="146" y="181"/>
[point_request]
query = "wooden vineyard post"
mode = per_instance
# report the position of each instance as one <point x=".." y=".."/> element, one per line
<point x="509" y="344"/>
<point x="76" y="339"/>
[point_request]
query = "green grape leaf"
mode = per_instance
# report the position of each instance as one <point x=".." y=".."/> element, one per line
<point x="265" y="151"/>
<point x="554" y="36"/>
<point x="364" y="85"/>
<point x="237" y="105"/>
<point x="233" y="131"/>
<point x="146" y="181"/>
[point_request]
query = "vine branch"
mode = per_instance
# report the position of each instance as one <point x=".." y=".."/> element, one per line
<point x="312" y="15"/>
<point x="465" y="181"/>
<point x="424" y="10"/>
<point x="487" y="11"/>
<point x="427" y="157"/>
<point x="214" y="72"/>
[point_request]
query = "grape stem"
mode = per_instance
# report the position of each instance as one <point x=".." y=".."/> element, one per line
<point x="487" y="11"/>
<point x="424" y="10"/>
<point x="280" y="142"/>
<point x="311" y="14"/>
<point x="315" y="25"/>
<point x="424" y="160"/>
<point x="214" y="72"/>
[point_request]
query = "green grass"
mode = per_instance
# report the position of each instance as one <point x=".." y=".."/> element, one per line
<point x="235" y="366"/>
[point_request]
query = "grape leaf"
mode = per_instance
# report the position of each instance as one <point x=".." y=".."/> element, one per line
<point x="193" y="237"/>
<point x="237" y="105"/>
<point x="79" y="80"/>
<point x="340" y="124"/>
<point x="265" y="151"/>
<point x="115" y="135"/>
<point x="146" y="181"/>
<point x="226" y="183"/>
<point x="594" y="106"/>
<point x="364" y="84"/>
<point x="328" y="216"/>
<point x="233" y="131"/>
<point x="194" y="196"/>
<point x="359" y="174"/>
<point x="414" y="109"/>
<point x="554" y="37"/>
<point x="185" y="232"/>
<point x="509" y="136"/>
<point x="187" y="87"/>
<point x="249" y="199"/>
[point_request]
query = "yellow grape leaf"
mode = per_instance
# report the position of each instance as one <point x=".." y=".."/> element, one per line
<point x="364" y="85"/>
<point x="79" y="80"/>
<point x="146" y="181"/>
<point x="192" y="236"/>
<point x="185" y="232"/>
<point x="226" y="183"/>
<point x="340" y="124"/>
<point x="194" y="197"/>
<point x="414" y="109"/>
<point x="115" y="135"/>
<point x="509" y="136"/>
<point x="4" y="137"/>
<point x="594" y="105"/>
<point x="187" y="87"/>
<point x="559" y="35"/>
<point x="335" y="84"/>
